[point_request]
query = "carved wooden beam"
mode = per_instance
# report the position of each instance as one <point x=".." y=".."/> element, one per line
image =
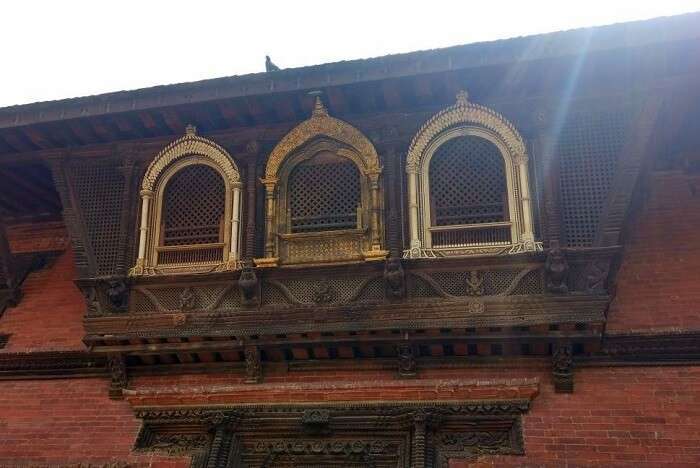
<point x="70" y="215"/>
<point x="634" y="157"/>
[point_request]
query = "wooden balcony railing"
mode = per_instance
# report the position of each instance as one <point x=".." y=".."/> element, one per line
<point x="470" y="235"/>
<point x="197" y="254"/>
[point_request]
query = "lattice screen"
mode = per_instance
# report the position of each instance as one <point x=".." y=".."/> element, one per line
<point x="99" y="190"/>
<point x="467" y="183"/>
<point x="193" y="207"/>
<point x="324" y="194"/>
<point x="588" y="150"/>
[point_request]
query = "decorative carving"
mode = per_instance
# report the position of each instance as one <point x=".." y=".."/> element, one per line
<point x="116" y="364"/>
<point x="188" y="145"/>
<point x="248" y="286"/>
<point x="316" y="421"/>
<point x="323" y="292"/>
<point x="563" y="368"/>
<point x="188" y="300"/>
<point x="596" y="276"/>
<point x="92" y="301"/>
<point x="475" y="284"/>
<point x="402" y="435"/>
<point x="462" y="112"/>
<point x="321" y="123"/>
<point x="253" y="365"/>
<point x="556" y="269"/>
<point x="476" y="307"/>
<point x="394" y="279"/>
<point x="406" y="360"/>
<point x="118" y="294"/>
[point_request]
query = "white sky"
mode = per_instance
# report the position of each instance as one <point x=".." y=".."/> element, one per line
<point x="57" y="49"/>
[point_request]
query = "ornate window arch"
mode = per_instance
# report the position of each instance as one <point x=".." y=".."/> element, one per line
<point x="479" y="223"/>
<point x="341" y="153"/>
<point x="190" y="209"/>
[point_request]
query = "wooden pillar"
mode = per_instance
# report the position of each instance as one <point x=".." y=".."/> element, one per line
<point x="251" y="181"/>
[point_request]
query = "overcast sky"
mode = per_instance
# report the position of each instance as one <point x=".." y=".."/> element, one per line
<point x="57" y="49"/>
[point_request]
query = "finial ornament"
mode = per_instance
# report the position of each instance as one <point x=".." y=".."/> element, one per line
<point x="190" y="130"/>
<point x="462" y="98"/>
<point x="319" y="108"/>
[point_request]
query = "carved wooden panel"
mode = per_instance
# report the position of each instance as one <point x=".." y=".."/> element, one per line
<point x="467" y="183"/>
<point x="193" y="207"/>
<point x="588" y="148"/>
<point x="324" y="194"/>
<point x="388" y="435"/>
<point x="99" y="192"/>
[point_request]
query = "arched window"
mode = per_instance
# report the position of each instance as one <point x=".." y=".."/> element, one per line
<point x="190" y="210"/>
<point x="468" y="185"/>
<point x="468" y="194"/>
<point x="323" y="198"/>
<point x="192" y="221"/>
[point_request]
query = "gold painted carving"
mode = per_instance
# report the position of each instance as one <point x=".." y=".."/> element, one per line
<point x="463" y="112"/>
<point x="321" y="124"/>
<point x="190" y="144"/>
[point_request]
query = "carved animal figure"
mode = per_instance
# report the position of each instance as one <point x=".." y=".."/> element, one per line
<point x="118" y="294"/>
<point x="248" y="285"/>
<point x="394" y="278"/>
<point x="557" y="269"/>
<point x="269" y="66"/>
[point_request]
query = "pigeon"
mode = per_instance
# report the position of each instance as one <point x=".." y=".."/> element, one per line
<point x="269" y="66"/>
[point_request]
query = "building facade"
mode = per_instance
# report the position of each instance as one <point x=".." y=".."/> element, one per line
<point x="486" y="255"/>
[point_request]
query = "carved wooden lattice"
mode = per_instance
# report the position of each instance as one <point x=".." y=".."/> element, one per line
<point x="99" y="190"/>
<point x="193" y="207"/>
<point x="467" y="183"/>
<point x="588" y="148"/>
<point x="324" y="194"/>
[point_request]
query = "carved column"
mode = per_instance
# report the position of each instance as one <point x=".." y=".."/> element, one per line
<point x="250" y="211"/>
<point x="420" y="426"/>
<point x="126" y="170"/>
<point x="413" y="210"/>
<point x="528" y="235"/>
<point x="374" y="219"/>
<point x="270" y="188"/>
<point x="235" y="224"/>
<point x="146" y="196"/>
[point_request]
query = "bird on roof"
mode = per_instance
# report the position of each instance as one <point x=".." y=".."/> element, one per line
<point x="269" y="66"/>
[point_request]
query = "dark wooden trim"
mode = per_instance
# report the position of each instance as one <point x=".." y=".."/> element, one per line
<point x="51" y="364"/>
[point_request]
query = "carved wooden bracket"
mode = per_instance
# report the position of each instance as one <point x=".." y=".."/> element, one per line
<point x="563" y="368"/>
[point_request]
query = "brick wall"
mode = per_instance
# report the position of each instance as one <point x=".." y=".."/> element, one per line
<point x="62" y="422"/>
<point x="658" y="285"/>
<point x="625" y="416"/>
<point x="49" y="316"/>
<point x="641" y="417"/>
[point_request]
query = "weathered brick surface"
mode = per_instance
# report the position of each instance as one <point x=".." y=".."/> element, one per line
<point x="622" y="416"/>
<point x="641" y="417"/>
<point x="658" y="285"/>
<point x="49" y="316"/>
<point x="37" y="237"/>
<point x="62" y="422"/>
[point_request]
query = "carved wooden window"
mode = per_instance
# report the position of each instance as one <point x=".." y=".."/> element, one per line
<point x="193" y="215"/>
<point x="324" y="194"/>
<point x="190" y="209"/>
<point x="588" y="148"/>
<point x="468" y="194"/>
<point x="468" y="185"/>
